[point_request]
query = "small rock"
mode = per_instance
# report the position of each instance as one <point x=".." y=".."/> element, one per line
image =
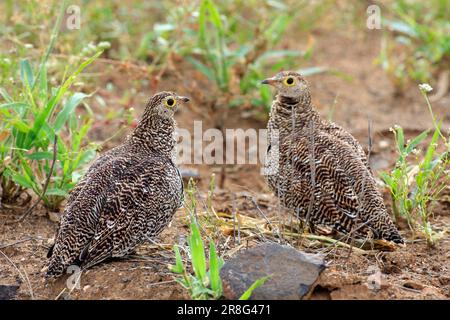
<point x="65" y="296"/>
<point x="8" y="292"/>
<point x="413" y="285"/>
<point x="54" y="216"/>
<point x="293" y="274"/>
<point x="383" y="144"/>
<point x="86" y="288"/>
<point x="374" y="279"/>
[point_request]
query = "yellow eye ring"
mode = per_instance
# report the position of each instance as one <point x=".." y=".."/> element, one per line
<point x="171" y="102"/>
<point x="289" y="81"/>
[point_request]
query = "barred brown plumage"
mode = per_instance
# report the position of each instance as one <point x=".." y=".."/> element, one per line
<point x="128" y="194"/>
<point x="321" y="171"/>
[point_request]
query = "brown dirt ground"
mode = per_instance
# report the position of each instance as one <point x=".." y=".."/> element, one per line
<point x="412" y="272"/>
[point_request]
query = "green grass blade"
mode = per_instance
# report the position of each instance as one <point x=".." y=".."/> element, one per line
<point x="26" y="73"/>
<point x="178" y="267"/>
<point x="47" y="111"/>
<point x="197" y="252"/>
<point x="53" y="37"/>
<point x="247" y="294"/>
<point x="14" y="105"/>
<point x="43" y="85"/>
<point x="416" y="141"/>
<point x="40" y="155"/>
<point x="214" y="271"/>
<point x="400" y="139"/>
<point x="56" y="192"/>
<point x="202" y="68"/>
<point x="5" y="95"/>
<point x="67" y="110"/>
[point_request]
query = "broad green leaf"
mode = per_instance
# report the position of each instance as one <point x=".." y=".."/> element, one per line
<point x="14" y="105"/>
<point x="20" y="126"/>
<point x="276" y="29"/>
<point x="202" y="68"/>
<point x="26" y="73"/>
<point x="416" y="141"/>
<point x="178" y="267"/>
<point x="86" y="157"/>
<point x="5" y="95"/>
<point x="401" y="27"/>
<point x="22" y="181"/>
<point x="214" y="15"/>
<point x="400" y="139"/>
<point x="386" y="178"/>
<point x="56" y="98"/>
<point x="40" y="155"/>
<point x="49" y="132"/>
<point x="197" y="252"/>
<point x="214" y="271"/>
<point x="246" y="295"/>
<point x="43" y="85"/>
<point x="76" y="176"/>
<point x="56" y="192"/>
<point x="67" y="110"/>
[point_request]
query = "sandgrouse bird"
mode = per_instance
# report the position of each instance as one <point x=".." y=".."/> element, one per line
<point x="128" y="195"/>
<point x="318" y="169"/>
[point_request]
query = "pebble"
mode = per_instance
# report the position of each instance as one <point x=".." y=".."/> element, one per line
<point x="293" y="273"/>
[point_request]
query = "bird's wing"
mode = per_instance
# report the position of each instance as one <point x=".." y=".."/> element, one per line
<point x="81" y="215"/>
<point x="134" y="204"/>
<point x="341" y="134"/>
<point x="334" y="188"/>
<point x="100" y="161"/>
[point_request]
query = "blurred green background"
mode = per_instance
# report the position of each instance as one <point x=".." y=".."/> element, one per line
<point x="50" y="73"/>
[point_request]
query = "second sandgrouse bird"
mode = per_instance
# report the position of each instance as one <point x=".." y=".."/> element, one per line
<point x="128" y="195"/>
<point x="319" y="170"/>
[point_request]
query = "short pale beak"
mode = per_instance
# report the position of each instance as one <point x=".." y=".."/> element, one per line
<point x="270" y="81"/>
<point x="184" y="99"/>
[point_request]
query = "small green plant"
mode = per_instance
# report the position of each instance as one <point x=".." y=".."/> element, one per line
<point x="415" y="186"/>
<point x="32" y="116"/>
<point x="234" y="57"/>
<point x="33" y="121"/>
<point x="417" y="44"/>
<point x="172" y="37"/>
<point x="205" y="283"/>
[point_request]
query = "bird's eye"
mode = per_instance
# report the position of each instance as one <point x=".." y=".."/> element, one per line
<point x="170" y="102"/>
<point x="289" y="81"/>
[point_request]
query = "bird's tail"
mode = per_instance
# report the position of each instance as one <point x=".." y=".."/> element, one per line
<point x="384" y="228"/>
<point x="380" y="226"/>
<point x="56" y="268"/>
<point x="393" y="235"/>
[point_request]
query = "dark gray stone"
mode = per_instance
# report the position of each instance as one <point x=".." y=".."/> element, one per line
<point x="8" y="292"/>
<point x="293" y="273"/>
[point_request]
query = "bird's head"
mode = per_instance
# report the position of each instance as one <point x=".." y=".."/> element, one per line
<point x="166" y="103"/>
<point x="289" y="84"/>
